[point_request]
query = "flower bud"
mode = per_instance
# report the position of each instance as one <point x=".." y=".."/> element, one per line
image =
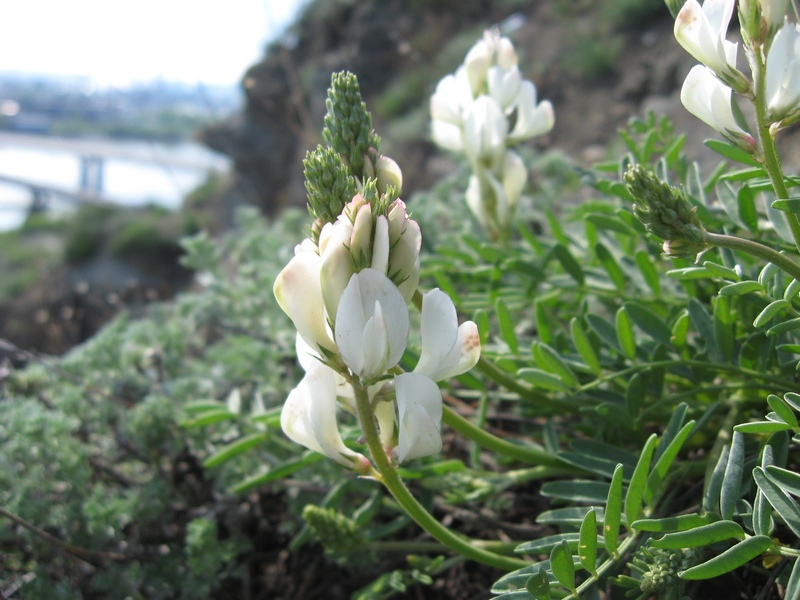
<point x="388" y="173"/>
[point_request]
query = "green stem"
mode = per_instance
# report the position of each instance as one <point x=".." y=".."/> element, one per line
<point x="388" y="475"/>
<point x="626" y="546"/>
<point x="756" y="249"/>
<point x="772" y="162"/>
<point x="529" y="453"/>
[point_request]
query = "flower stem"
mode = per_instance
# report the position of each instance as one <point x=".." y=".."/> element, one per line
<point x="529" y="453"/>
<point x="771" y="159"/>
<point x="508" y="381"/>
<point x="388" y="475"/>
<point x="755" y="249"/>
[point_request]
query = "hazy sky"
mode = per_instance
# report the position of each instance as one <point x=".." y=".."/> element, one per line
<point x="117" y="42"/>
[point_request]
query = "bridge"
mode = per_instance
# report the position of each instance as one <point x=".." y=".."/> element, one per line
<point x="93" y="154"/>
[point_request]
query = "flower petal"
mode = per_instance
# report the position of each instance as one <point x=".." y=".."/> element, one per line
<point x="308" y="417"/>
<point x="447" y="348"/>
<point x="419" y="408"/>
<point x="532" y="119"/>
<point x="298" y="290"/>
<point x="371" y="324"/>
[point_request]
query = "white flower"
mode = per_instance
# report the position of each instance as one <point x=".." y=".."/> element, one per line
<point x="701" y="32"/>
<point x="485" y="129"/>
<point x="298" y="291"/>
<point x="761" y="19"/>
<point x="372" y="324"/>
<point x="504" y="85"/>
<point x="532" y="119"/>
<point x="419" y="411"/>
<point x="448" y="349"/>
<point x="783" y="73"/>
<point x="708" y="99"/>
<point x="308" y="417"/>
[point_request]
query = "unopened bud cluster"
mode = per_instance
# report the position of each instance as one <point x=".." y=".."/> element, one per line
<point x="483" y="110"/>
<point x="666" y="212"/>
<point x="660" y="572"/>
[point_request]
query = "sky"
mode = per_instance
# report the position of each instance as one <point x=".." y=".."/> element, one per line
<point x="120" y="42"/>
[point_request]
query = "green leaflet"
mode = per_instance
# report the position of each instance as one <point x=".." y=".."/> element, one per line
<point x="664" y="462"/>
<point x="587" y="547"/>
<point x="636" y="487"/>
<point x="613" y="513"/>
<point x="732" y="558"/>
<point x="672" y="524"/>
<point x="563" y="567"/>
<point x="625" y="335"/>
<point x="235" y="448"/>
<point x="701" y="536"/>
<point x="732" y="479"/>
<point x="783" y="504"/>
<point x="584" y="346"/>
<point x="506" y="324"/>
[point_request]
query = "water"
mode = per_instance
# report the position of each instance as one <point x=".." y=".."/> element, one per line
<point x="134" y="173"/>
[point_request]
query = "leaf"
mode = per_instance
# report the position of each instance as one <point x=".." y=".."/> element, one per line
<point x="209" y="418"/>
<point x="671" y="524"/>
<point x="701" y="536"/>
<point x="538" y="585"/>
<point x="587" y="546"/>
<point x="613" y="512"/>
<point x="793" y="400"/>
<point x="625" y="335"/>
<point x="276" y="473"/>
<point x="783" y="410"/>
<point x="649" y="272"/>
<point x="770" y="311"/>
<point x="610" y="223"/>
<point x="547" y="543"/>
<point x="724" y="324"/>
<point x="785" y="326"/>
<point x="690" y="273"/>
<point x="787" y="480"/>
<point x="732" y="479"/>
<point x="783" y="504"/>
<point x="680" y="329"/>
<point x="726" y="150"/>
<point x="741" y="288"/>
<point x="748" y="213"/>
<point x="547" y="358"/>
<point x="604" y="330"/>
<point x="721" y="271"/>
<point x="761" y="427"/>
<point x="506" y="324"/>
<point x="791" y="290"/>
<point x="563" y="567"/>
<point x="615" y="273"/>
<point x="793" y="585"/>
<point x="703" y="324"/>
<point x="762" y="515"/>
<point x="235" y="448"/>
<point x="542" y="379"/>
<point x="570" y="516"/>
<point x="733" y="558"/>
<point x="543" y="320"/>
<point x="591" y="492"/>
<point x="584" y="346"/>
<point x="633" y="498"/>
<point x="714" y="482"/>
<point x="649" y="322"/>
<point x="726" y="195"/>
<point x="790" y="205"/>
<point x="569" y="263"/>
<point x="664" y="462"/>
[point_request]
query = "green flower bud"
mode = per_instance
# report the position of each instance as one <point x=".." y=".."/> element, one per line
<point x="666" y="212"/>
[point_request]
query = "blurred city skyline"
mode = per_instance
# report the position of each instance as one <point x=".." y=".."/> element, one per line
<point x="119" y="44"/>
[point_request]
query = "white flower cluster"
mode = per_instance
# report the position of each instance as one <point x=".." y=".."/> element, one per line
<point x="708" y="89"/>
<point x="348" y="299"/>
<point x="482" y="110"/>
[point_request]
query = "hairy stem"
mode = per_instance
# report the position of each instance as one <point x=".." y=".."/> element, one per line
<point x="756" y="249"/>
